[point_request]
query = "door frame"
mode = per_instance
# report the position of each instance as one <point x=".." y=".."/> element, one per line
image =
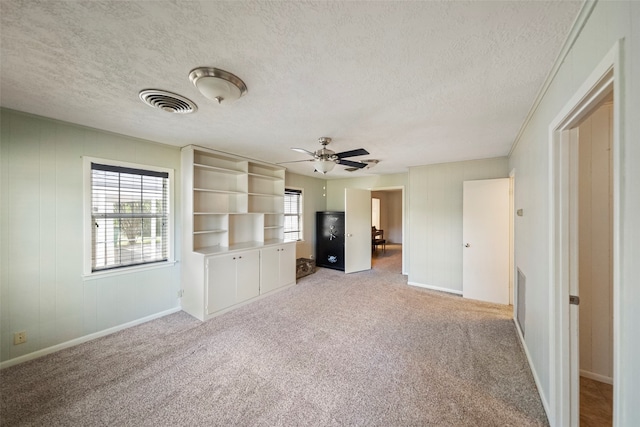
<point x="404" y="221"/>
<point x="563" y="244"/>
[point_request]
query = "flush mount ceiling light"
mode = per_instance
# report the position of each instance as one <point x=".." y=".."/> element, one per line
<point x="218" y="85"/>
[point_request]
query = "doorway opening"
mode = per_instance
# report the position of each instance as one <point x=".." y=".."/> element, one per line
<point x="584" y="189"/>
<point x="388" y="235"/>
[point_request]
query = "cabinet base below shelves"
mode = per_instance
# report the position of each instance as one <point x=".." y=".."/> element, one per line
<point x="238" y="305"/>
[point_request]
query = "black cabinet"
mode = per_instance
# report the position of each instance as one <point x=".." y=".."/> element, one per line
<point x="330" y="240"/>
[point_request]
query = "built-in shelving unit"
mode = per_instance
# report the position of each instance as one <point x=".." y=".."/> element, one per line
<point x="233" y="200"/>
<point x="230" y="204"/>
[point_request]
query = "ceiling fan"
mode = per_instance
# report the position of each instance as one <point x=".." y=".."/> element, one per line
<point x="325" y="159"/>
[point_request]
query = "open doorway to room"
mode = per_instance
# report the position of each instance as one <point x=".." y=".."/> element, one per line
<point x="595" y="261"/>
<point x="387" y="229"/>
<point x="585" y="226"/>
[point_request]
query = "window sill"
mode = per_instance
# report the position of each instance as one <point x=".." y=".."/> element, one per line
<point x="127" y="270"/>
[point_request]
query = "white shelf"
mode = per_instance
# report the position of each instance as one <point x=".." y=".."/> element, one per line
<point x="211" y="190"/>
<point x="210" y="231"/>
<point x="231" y="204"/>
<point x="266" y="195"/>
<point x="269" y="177"/>
<point x="218" y="169"/>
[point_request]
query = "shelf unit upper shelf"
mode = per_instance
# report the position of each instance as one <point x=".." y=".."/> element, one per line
<point x="212" y="190"/>
<point x="218" y="169"/>
<point x="230" y="201"/>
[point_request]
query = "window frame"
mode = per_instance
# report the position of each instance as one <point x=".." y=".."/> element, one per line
<point x="88" y="222"/>
<point x="300" y="214"/>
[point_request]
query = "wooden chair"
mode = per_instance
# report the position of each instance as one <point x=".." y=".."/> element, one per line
<point x="379" y="242"/>
<point x="377" y="239"/>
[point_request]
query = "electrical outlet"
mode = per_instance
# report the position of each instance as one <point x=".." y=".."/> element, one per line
<point x="180" y="293"/>
<point x="20" y="337"/>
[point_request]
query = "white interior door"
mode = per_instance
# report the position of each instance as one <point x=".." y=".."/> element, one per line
<point x="375" y="213"/>
<point x="485" y="230"/>
<point x="357" y="219"/>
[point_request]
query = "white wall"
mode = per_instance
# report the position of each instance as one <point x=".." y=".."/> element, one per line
<point x="608" y="23"/>
<point x="595" y="245"/>
<point x="313" y="199"/>
<point x="435" y="215"/>
<point x="42" y="289"/>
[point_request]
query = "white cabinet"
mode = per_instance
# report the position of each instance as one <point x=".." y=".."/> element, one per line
<point x="277" y="267"/>
<point x="232" y="209"/>
<point x="231" y="279"/>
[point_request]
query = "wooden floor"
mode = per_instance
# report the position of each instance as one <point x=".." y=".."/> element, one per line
<point x="596" y="403"/>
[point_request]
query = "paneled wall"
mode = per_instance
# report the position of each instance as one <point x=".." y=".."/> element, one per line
<point x="41" y="250"/>
<point x="313" y="199"/>
<point x="435" y="215"/>
<point x="608" y="23"/>
<point x="595" y="245"/>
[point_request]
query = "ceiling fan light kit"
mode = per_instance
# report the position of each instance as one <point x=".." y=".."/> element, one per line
<point x="218" y="85"/>
<point x="325" y="160"/>
<point x="324" y="166"/>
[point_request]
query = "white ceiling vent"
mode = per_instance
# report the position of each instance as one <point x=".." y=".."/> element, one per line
<point x="167" y="101"/>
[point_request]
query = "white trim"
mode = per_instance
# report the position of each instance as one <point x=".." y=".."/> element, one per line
<point x="404" y="222"/>
<point x="576" y="29"/>
<point x="86" y="204"/>
<point x="596" y="377"/>
<point x="534" y="373"/>
<point x="86" y="338"/>
<point x="128" y="270"/>
<point x="300" y="214"/>
<point x="563" y="363"/>
<point x="435" y="288"/>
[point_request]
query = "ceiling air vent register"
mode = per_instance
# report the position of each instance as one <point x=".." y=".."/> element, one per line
<point x="167" y="101"/>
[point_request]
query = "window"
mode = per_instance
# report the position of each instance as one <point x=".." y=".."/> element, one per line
<point x="292" y="214"/>
<point x="129" y="215"/>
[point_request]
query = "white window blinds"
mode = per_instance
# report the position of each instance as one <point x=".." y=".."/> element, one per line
<point x="292" y="214"/>
<point x="130" y="217"/>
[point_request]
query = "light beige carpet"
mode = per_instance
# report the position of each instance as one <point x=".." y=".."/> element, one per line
<point x="335" y="350"/>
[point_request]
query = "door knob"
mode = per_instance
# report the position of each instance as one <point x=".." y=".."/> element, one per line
<point x="467" y="245"/>
<point x="349" y="235"/>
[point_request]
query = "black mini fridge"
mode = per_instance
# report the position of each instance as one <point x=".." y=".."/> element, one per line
<point x="330" y="240"/>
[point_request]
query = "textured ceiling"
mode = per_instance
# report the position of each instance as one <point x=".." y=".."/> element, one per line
<point x="414" y="83"/>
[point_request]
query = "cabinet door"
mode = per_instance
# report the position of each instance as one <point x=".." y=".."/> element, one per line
<point x="221" y="282"/>
<point x="270" y="269"/>
<point x="247" y="275"/>
<point x="287" y="264"/>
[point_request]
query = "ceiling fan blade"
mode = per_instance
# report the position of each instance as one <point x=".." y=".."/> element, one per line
<point x="349" y="163"/>
<point x="296" y="161"/>
<point x="302" y="150"/>
<point x="352" y="153"/>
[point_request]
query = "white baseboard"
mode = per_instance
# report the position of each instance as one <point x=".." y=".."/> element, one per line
<point x="83" y="339"/>
<point x="536" y="379"/>
<point x="435" y="288"/>
<point x="597" y="377"/>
